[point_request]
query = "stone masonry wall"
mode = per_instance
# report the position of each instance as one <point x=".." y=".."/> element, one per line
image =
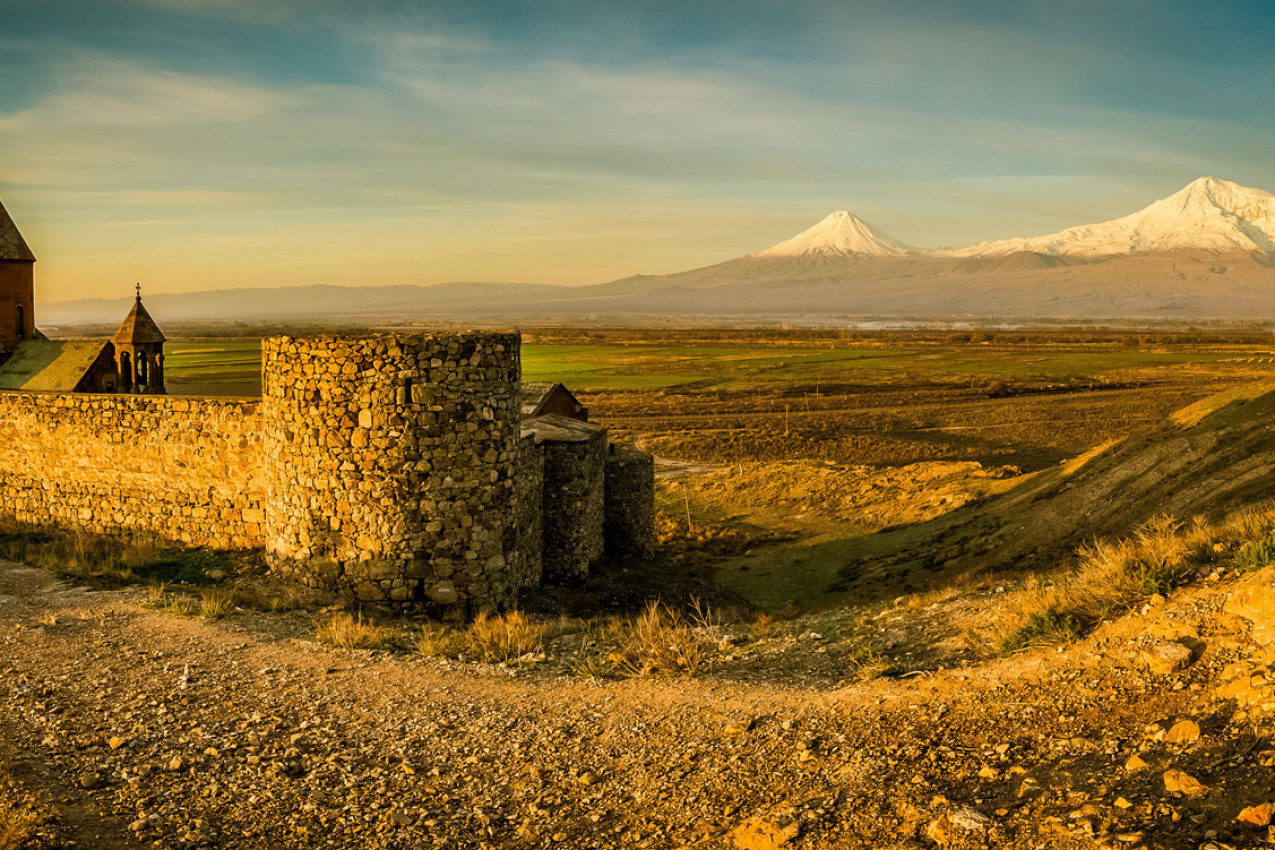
<point x="573" y="506"/>
<point x="629" y="526"/>
<point x="529" y="477"/>
<point x="187" y="469"/>
<point x="390" y="463"/>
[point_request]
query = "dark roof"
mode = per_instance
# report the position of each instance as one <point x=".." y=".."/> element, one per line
<point x="50" y="366"/>
<point x="552" y="428"/>
<point x="536" y="393"/>
<point x="12" y="245"/>
<point x="138" y="327"/>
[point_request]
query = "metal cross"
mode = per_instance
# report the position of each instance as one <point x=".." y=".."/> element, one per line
<point x="139" y="292"/>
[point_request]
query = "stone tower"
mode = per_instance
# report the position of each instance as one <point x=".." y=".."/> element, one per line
<point x="17" y="289"/>
<point x="139" y="352"/>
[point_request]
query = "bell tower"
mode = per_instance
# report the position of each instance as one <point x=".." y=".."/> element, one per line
<point x="17" y="285"/>
<point x="139" y="351"/>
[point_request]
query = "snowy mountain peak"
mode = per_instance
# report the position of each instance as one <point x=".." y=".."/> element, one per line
<point x="840" y="234"/>
<point x="1206" y="214"/>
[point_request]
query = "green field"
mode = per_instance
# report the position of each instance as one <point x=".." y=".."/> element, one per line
<point x="224" y="368"/>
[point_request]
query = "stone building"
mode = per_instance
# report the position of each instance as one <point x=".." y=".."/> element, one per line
<point x="139" y="351"/>
<point x="394" y="469"/>
<point x="133" y="360"/>
<point x="542" y="398"/>
<point x="17" y="286"/>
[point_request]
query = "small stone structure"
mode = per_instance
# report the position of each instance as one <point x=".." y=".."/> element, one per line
<point x="572" y="493"/>
<point x="628" y="528"/>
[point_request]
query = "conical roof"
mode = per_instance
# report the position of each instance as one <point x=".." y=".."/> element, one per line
<point x="12" y="245"/>
<point x="138" y="327"/>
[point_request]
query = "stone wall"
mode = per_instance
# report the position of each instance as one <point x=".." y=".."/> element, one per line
<point x="187" y="469"/>
<point x="628" y="528"/>
<point x="529" y="475"/>
<point x="572" y="500"/>
<point x="390" y="464"/>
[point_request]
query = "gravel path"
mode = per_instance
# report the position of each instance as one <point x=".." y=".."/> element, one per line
<point x="149" y="729"/>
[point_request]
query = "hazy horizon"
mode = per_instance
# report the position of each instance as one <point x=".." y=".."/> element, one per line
<point x="209" y="144"/>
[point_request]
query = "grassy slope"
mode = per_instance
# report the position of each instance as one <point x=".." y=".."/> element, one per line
<point x="1208" y="465"/>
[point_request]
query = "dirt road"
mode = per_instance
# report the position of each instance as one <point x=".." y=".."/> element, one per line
<point x="151" y="729"/>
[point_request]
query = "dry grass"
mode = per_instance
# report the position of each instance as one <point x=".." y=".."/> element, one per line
<point x="659" y="641"/>
<point x="763" y="627"/>
<point x="216" y="603"/>
<point x="503" y="637"/>
<point x="109" y="561"/>
<point x="352" y="632"/>
<point x="490" y="638"/>
<point x="1111" y="578"/>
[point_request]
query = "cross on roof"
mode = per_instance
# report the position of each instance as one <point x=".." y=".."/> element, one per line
<point x="139" y="291"/>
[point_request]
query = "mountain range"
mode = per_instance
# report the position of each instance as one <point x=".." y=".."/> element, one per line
<point x="1207" y="251"/>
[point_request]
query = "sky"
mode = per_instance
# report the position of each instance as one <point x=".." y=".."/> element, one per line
<point x="206" y="144"/>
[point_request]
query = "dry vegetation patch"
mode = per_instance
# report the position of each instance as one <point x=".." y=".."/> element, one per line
<point x="1113" y="577"/>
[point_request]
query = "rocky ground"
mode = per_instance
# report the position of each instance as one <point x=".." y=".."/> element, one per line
<point x="147" y="728"/>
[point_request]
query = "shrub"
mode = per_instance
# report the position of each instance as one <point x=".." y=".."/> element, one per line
<point x="1255" y="555"/>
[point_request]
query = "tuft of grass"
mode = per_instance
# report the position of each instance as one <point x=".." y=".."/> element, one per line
<point x="490" y="638"/>
<point x="348" y="632"/>
<point x="867" y="664"/>
<point x="1255" y="555"/>
<point x="436" y="640"/>
<point x="1042" y="628"/>
<point x="215" y="603"/>
<point x="763" y="627"/>
<point x="659" y="641"/>
<point x="503" y="637"/>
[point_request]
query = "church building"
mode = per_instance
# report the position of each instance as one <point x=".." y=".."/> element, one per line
<point x="132" y="361"/>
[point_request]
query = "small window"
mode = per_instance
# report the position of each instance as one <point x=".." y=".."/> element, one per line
<point x="22" y="322"/>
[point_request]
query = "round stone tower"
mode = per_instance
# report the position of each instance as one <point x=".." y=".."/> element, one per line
<point x="390" y="466"/>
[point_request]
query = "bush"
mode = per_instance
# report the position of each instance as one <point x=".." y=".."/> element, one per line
<point x="503" y="637"/>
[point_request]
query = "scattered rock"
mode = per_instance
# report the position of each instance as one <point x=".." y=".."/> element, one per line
<point x="970" y="819"/>
<point x="1168" y="657"/>
<point x="1175" y="782"/>
<point x="1254" y="600"/>
<point x="766" y="832"/>
<point x="1183" y="732"/>
<point x="1257" y="816"/>
<point x="1134" y="763"/>
<point x="116" y="742"/>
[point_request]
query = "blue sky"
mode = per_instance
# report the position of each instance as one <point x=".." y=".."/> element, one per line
<point x="195" y="144"/>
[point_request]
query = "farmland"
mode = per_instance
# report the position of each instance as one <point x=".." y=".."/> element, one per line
<point x="809" y="441"/>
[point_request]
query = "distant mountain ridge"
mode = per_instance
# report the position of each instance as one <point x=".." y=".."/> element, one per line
<point x="1206" y="251"/>
<point x="1208" y="214"/>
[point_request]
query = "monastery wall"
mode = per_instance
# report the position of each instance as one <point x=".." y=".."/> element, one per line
<point x="187" y="469"/>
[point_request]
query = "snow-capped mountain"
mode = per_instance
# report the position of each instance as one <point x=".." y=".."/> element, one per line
<point x="840" y="234"/>
<point x="1208" y="214"/>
